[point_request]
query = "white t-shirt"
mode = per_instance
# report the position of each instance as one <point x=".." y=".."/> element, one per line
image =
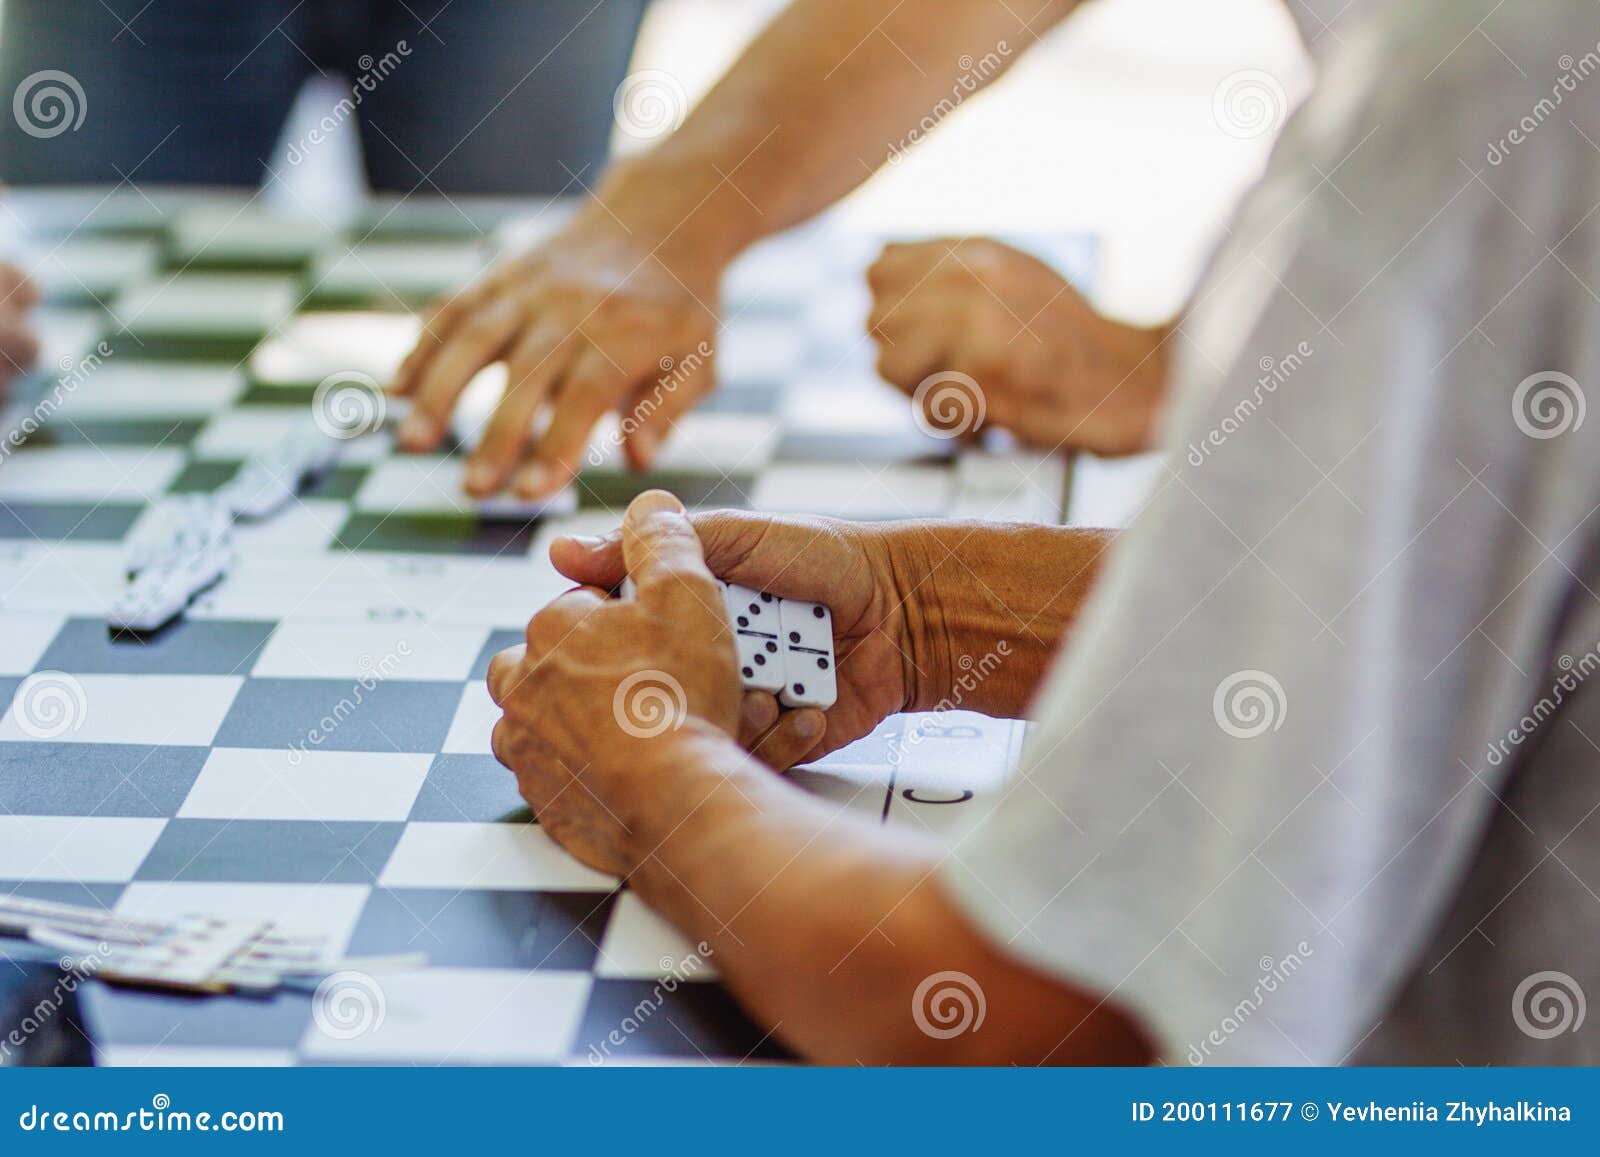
<point x="1318" y="777"/>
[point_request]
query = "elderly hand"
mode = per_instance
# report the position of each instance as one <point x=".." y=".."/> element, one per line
<point x="596" y="319"/>
<point x="1050" y="369"/>
<point x="18" y="345"/>
<point x="848" y="566"/>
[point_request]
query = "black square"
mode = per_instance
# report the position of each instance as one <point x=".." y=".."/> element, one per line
<point x="96" y="779"/>
<point x="485" y="929"/>
<point x="669" y="1018"/>
<point x="271" y="851"/>
<point x="469" y="789"/>
<point x="187" y="647"/>
<point x="436" y="534"/>
<point x="70" y="521"/>
<point x="340" y="715"/>
<point x="498" y="641"/>
<point x="120" y="1016"/>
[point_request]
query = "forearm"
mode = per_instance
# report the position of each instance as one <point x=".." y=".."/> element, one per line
<point x="987" y="606"/>
<point x="811" y="109"/>
<point x="825" y="927"/>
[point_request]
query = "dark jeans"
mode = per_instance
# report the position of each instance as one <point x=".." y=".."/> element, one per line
<point x="471" y="96"/>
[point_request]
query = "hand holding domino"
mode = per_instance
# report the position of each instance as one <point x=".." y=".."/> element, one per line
<point x="785" y="645"/>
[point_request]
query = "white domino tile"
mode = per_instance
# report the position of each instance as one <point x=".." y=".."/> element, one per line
<point x="463" y="855"/>
<point x="464" y="1015"/>
<point x="474" y="720"/>
<point x="327" y="786"/>
<point x="157" y="710"/>
<point x="25" y="638"/>
<point x="317" y="649"/>
<point x="329" y="910"/>
<point x="84" y="849"/>
<point x="640" y="945"/>
<point x="89" y="474"/>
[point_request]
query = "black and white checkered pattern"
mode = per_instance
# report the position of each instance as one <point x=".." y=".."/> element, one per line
<point x="311" y="743"/>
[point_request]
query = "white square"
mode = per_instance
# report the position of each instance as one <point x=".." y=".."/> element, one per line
<point x="204" y="304"/>
<point x="474" y="720"/>
<point x="155" y="710"/>
<point x="854" y="491"/>
<point x="317" y="649"/>
<point x="280" y="784"/>
<point x="246" y="431"/>
<point x="90" y="474"/>
<point x="27" y="637"/>
<point x="640" y="945"/>
<point x="433" y="485"/>
<point x="82" y="849"/>
<point x="66" y="335"/>
<point x="456" y="855"/>
<point x="398" y="270"/>
<point x="75" y="578"/>
<point x="464" y="1015"/>
<point x="329" y="910"/>
<point x="304" y="524"/>
<point x="311" y="346"/>
<point x="89" y="266"/>
<point x="136" y="389"/>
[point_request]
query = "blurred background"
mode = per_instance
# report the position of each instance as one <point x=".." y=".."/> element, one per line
<point x="1110" y="123"/>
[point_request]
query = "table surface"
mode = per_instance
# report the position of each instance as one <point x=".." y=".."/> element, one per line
<point x="310" y="744"/>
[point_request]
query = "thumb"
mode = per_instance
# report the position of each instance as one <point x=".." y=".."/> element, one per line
<point x="661" y="550"/>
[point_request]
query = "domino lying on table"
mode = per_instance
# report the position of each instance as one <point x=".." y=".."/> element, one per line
<point x="785" y="645"/>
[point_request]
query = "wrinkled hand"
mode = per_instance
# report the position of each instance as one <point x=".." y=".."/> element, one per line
<point x="18" y="345"/>
<point x="845" y="565"/>
<point x="593" y="320"/>
<point x="1050" y="369"/>
<point x="602" y="683"/>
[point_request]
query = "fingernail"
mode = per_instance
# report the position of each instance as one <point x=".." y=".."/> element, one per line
<point x="809" y="725"/>
<point x="653" y="502"/>
<point x="586" y="541"/>
<point x="480" y="476"/>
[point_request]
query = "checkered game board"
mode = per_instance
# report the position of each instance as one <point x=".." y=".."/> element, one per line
<point x="311" y="743"/>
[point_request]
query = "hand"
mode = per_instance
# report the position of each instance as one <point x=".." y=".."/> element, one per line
<point x="595" y="319"/>
<point x="603" y="685"/>
<point x="1050" y="369"/>
<point x="845" y="565"/>
<point x="18" y="345"/>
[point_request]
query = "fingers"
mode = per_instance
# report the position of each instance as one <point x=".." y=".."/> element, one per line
<point x="757" y="713"/>
<point x="595" y="560"/>
<point x="585" y="396"/>
<point x="503" y="668"/>
<point x="479" y="339"/>
<point x="791" y="739"/>
<point x="663" y="554"/>
<point x="656" y="406"/>
<point x="438" y="322"/>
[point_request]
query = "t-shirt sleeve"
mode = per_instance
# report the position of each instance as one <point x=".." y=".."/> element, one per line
<point x="1268" y="758"/>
